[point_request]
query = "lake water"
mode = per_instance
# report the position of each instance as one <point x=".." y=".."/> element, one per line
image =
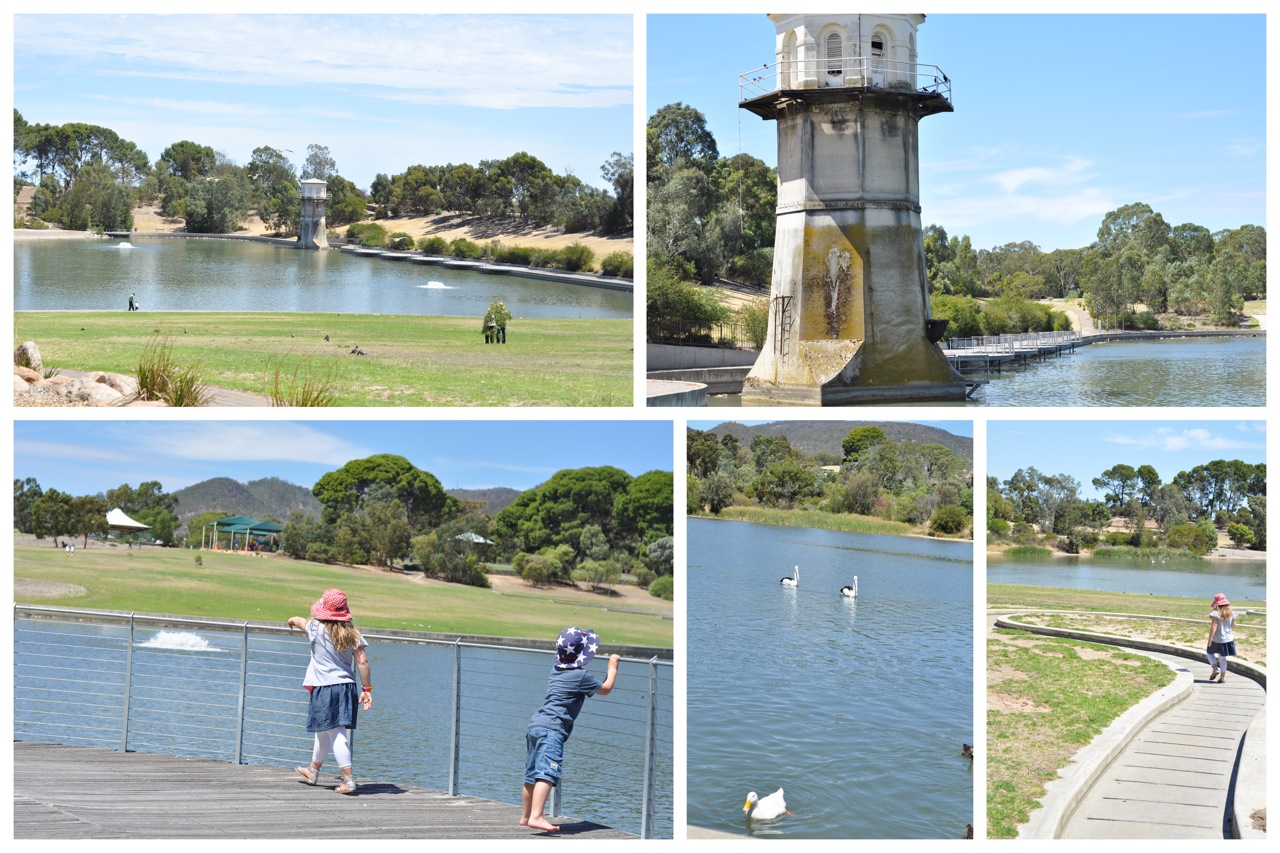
<point x="1226" y="371"/>
<point x="1244" y="580"/>
<point x="857" y="708"/>
<point x="170" y="274"/>
<point x="68" y="679"/>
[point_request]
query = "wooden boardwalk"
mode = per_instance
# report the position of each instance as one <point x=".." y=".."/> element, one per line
<point x="77" y="792"/>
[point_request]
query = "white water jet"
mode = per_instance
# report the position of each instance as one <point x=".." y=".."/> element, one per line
<point x="124" y="244"/>
<point x="180" y="640"/>
<point x="435" y="285"/>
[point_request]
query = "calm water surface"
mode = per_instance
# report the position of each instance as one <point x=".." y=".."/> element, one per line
<point x="1228" y="371"/>
<point x="232" y="275"/>
<point x="856" y="708"/>
<point x="1245" y="580"/>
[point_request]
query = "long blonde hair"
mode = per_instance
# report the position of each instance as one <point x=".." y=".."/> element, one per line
<point x="1224" y="611"/>
<point x="344" y="635"/>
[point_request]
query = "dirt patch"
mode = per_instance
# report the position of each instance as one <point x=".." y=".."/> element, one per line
<point x="1012" y="704"/>
<point x="25" y="588"/>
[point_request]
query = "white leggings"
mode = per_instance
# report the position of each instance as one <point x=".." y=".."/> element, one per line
<point x="1217" y="661"/>
<point x="335" y="739"/>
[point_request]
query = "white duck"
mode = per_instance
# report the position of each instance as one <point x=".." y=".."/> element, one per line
<point x="770" y="807"/>
<point x="792" y="581"/>
<point x="850" y="591"/>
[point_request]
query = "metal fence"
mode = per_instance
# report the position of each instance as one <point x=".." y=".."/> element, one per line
<point x="732" y="335"/>
<point x="855" y="71"/>
<point x="1026" y="342"/>
<point x="447" y="715"/>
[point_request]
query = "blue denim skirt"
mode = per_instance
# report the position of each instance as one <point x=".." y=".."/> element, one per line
<point x="1224" y="649"/>
<point x="333" y="706"/>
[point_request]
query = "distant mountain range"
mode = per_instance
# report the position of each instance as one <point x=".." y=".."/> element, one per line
<point x="825" y="436"/>
<point x="274" y="499"/>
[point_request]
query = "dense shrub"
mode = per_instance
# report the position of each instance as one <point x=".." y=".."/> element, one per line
<point x="621" y="264"/>
<point x="948" y="519"/>
<point x="576" y="257"/>
<point x="369" y="234"/>
<point x="464" y="248"/>
<point x="400" y="241"/>
<point x="514" y="255"/>
<point x="998" y="528"/>
<point x="663" y="587"/>
<point x="433" y="245"/>
<point x="755" y="267"/>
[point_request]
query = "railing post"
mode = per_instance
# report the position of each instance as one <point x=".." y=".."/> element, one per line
<point x="128" y="686"/>
<point x="553" y="802"/>
<point x="244" y="671"/>
<point x="650" y="742"/>
<point x="456" y="727"/>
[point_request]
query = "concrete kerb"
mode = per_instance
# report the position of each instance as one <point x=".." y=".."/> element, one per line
<point x="1064" y="794"/>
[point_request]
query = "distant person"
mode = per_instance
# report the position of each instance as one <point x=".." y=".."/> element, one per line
<point x="337" y="653"/>
<point x="133" y="302"/>
<point x="567" y="688"/>
<point x="1222" y="643"/>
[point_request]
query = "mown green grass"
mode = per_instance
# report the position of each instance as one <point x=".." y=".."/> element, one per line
<point x="1008" y="596"/>
<point x="408" y="361"/>
<point x="1057" y="695"/>
<point x="1250" y="633"/>
<point x="811" y="518"/>
<point x="236" y="586"/>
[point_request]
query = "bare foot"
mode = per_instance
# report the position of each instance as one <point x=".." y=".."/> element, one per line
<point x="524" y="821"/>
<point x="543" y="824"/>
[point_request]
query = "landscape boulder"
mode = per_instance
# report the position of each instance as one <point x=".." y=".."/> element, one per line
<point x="28" y="355"/>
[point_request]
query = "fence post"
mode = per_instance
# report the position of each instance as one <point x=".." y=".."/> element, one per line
<point x="128" y="686"/>
<point x="457" y="718"/>
<point x="650" y="741"/>
<point x="244" y="671"/>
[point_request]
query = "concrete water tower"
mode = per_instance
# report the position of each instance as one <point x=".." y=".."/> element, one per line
<point x="849" y="318"/>
<point x="312" y="231"/>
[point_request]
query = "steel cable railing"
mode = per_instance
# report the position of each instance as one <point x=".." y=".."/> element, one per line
<point x="232" y="692"/>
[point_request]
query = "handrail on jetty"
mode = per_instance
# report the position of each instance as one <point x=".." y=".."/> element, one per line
<point x="231" y="691"/>
<point x="991" y="352"/>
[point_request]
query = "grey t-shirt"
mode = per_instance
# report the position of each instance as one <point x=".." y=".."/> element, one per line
<point x="328" y="665"/>
<point x="567" y="689"/>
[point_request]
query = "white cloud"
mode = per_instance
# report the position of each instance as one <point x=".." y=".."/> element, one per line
<point x="249" y="442"/>
<point x="1170" y="440"/>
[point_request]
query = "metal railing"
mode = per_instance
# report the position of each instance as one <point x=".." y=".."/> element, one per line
<point x="1013" y="344"/>
<point x="231" y="691"/>
<point x="731" y="335"/>
<point x="854" y="72"/>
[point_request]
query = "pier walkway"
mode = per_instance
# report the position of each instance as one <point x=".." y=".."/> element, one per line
<point x="77" y="792"/>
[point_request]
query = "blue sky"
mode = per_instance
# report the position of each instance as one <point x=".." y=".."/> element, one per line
<point x="964" y="428"/>
<point x="382" y="91"/>
<point x="90" y="457"/>
<point x="1058" y="119"/>
<point x="1084" y="449"/>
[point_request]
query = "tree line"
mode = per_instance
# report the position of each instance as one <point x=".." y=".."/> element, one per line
<point x="584" y="525"/>
<point x="1182" y="514"/>
<point x="88" y="177"/>
<point x="923" y="484"/>
<point x="712" y="217"/>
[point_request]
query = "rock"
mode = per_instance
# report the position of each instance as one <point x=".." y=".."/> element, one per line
<point x="126" y="385"/>
<point x="19" y="384"/>
<point x="28" y="355"/>
<point x="27" y="374"/>
<point x="83" y="391"/>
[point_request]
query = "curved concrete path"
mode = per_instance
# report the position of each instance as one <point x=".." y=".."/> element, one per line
<point x="1172" y="770"/>
<point x="1174" y="778"/>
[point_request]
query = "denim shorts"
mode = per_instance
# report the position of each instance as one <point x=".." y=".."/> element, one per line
<point x="546" y="756"/>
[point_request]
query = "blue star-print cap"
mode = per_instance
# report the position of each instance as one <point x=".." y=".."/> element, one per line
<point x="576" y="647"/>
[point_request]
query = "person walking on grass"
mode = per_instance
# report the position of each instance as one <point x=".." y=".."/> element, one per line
<point x="337" y="653"/>
<point x="568" y="687"/>
<point x="1222" y="643"/>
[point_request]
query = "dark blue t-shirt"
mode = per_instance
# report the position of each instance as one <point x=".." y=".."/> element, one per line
<point x="566" y="691"/>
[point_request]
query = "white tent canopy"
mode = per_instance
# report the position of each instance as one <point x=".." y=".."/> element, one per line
<point x="117" y="520"/>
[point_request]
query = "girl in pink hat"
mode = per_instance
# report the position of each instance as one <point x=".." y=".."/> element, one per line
<point x="1222" y="643"/>
<point x="337" y="653"/>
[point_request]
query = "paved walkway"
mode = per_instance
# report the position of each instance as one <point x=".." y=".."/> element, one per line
<point x="1174" y="779"/>
<point x="77" y="792"/>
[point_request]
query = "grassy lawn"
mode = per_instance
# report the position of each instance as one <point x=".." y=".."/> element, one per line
<point x="819" y="520"/>
<point x="233" y="586"/>
<point x="1048" y="697"/>
<point x="408" y="361"/>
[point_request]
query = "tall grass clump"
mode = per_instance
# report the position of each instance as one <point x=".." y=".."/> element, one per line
<point x="161" y="378"/>
<point x="303" y="386"/>
<point x="621" y="264"/>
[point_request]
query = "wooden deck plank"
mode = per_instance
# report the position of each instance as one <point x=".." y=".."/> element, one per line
<point x="77" y="792"/>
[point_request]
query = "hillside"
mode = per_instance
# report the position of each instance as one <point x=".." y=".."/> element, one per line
<point x="267" y="499"/>
<point x="825" y="436"/>
<point x="495" y="500"/>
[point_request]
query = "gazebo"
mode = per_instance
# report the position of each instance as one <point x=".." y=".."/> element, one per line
<point x="240" y="525"/>
<point x="118" y="522"/>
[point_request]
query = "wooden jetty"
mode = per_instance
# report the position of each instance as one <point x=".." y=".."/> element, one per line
<point x="78" y="792"/>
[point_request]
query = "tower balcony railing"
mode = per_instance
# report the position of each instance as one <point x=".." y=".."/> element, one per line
<point x="859" y="72"/>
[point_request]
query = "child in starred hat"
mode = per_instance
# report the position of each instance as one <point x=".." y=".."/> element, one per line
<point x="567" y="688"/>
<point x="1222" y="641"/>
<point x="337" y="654"/>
